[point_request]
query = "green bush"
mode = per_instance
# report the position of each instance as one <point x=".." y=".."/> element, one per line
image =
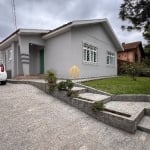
<point x="65" y="85"/>
<point x="134" y="70"/>
<point x="98" y="106"/>
<point x="51" y="76"/>
<point x="51" y="79"/>
<point x="62" y="86"/>
<point x="69" y="84"/>
<point x="145" y="72"/>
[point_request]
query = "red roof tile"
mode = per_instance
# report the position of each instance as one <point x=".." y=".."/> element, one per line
<point x="130" y="46"/>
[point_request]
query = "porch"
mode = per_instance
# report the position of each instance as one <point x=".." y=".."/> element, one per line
<point x="36" y="59"/>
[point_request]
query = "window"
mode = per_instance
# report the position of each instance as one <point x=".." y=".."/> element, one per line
<point x="110" y="58"/>
<point x="89" y="53"/>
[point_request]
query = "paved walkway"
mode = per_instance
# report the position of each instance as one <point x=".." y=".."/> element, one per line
<point x="33" y="120"/>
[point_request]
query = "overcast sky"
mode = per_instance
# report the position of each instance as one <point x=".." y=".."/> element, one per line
<point x="49" y="14"/>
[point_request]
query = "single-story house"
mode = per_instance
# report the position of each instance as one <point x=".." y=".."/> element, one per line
<point x="132" y="52"/>
<point x="91" y="45"/>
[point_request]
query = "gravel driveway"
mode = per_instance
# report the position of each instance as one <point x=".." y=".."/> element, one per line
<point x="33" y="120"/>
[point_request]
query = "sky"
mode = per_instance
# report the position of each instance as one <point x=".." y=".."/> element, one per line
<point x="49" y="14"/>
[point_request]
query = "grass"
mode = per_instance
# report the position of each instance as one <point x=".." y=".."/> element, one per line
<point x="122" y="85"/>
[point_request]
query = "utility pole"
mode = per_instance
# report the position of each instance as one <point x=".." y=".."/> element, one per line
<point x="14" y="13"/>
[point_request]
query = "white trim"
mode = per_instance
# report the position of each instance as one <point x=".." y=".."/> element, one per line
<point x="112" y="55"/>
<point x="56" y="32"/>
<point x="92" y="60"/>
<point x="32" y="31"/>
<point x="71" y="24"/>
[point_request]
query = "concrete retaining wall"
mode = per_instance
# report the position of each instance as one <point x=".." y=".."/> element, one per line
<point x="112" y="119"/>
<point x="131" y="97"/>
<point x="147" y="112"/>
<point x="39" y="85"/>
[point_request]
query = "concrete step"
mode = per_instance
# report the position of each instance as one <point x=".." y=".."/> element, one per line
<point x="79" y="89"/>
<point x="144" y="124"/>
<point x="94" y="97"/>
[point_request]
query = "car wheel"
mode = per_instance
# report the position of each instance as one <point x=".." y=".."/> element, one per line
<point x="3" y="82"/>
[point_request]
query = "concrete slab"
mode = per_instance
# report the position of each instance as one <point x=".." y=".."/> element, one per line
<point x="78" y="88"/>
<point x="93" y="97"/>
<point x="144" y="124"/>
<point x="132" y="108"/>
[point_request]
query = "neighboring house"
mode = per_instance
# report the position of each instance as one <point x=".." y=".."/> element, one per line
<point x="133" y="52"/>
<point x="89" y="44"/>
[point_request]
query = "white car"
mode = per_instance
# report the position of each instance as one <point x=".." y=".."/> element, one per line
<point x="3" y="74"/>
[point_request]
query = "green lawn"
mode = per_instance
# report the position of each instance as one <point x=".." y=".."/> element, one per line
<point x="122" y="85"/>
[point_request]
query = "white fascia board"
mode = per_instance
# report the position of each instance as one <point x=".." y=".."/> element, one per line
<point x="72" y="24"/>
<point x="85" y="22"/>
<point x="32" y="31"/>
<point x="8" y="41"/>
<point x="57" y="31"/>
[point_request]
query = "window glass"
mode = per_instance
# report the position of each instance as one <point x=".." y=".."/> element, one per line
<point x="110" y="58"/>
<point x="89" y="53"/>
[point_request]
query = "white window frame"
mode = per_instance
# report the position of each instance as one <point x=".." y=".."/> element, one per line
<point x="110" y="59"/>
<point x="90" y="53"/>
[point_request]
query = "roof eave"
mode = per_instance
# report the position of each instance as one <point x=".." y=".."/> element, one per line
<point x="13" y="36"/>
<point x="57" y="31"/>
<point x="113" y="36"/>
<point x="68" y="26"/>
<point x="6" y="42"/>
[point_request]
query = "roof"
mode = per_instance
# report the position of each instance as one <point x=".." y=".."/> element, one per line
<point x="132" y="46"/>
<point x="46" y="34"/>
<point x="68" y="26"/>
<point x="13" y="36"/>
<point x="129" y="46"/>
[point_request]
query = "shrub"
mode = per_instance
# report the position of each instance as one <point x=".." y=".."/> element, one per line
<point x="145" y="72"/>
<point x="66" y="86"/>
<point x="62" y="86"/>
<point x="98" y="106"/>
<point x="51" y="78"/>
<point x="146" y="61"/>
<point x="69" y="84"/>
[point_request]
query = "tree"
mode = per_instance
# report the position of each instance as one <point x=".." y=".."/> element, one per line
<point x="138" y="13"/>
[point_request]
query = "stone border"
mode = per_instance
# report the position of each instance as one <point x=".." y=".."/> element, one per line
<point x="92" y="90"/>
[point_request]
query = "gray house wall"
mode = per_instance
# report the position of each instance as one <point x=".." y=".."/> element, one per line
<point x="30" y="59"/>
<point x="65" y="50"/>
<point x="58" y="54"/>
<point x="9" y="64"/>
<point x="97" y="36"/>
